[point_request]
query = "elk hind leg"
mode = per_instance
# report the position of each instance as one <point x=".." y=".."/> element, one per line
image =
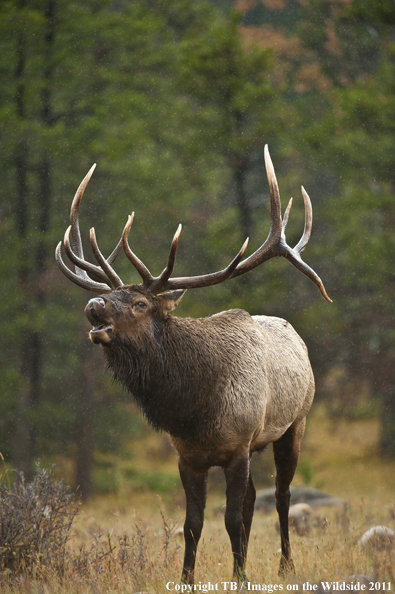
<point x="248" y="512"/>
<point x="195" y="486"/>
<point x="286" y="457"/>
<point x="237" y="511"/>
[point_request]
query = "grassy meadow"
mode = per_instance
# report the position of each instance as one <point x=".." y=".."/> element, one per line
<point x="131" y="541"/>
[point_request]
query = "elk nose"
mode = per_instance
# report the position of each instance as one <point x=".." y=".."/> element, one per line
<point x="96" y="301"/>
<point x="94" y="309"/>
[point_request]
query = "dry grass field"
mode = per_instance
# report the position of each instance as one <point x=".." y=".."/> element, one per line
<point x="130" y="542"/>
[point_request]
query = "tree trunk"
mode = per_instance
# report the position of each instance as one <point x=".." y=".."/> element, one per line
<point x="31" y="277"/>
<point x="22" y="432"/>
<point x="242" y="201"/>
<point x="387" y="389"/>
<point x="387" y="435"/>
<point x="240" y="166"/>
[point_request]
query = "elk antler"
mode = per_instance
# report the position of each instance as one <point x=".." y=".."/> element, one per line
<point x="103" y="279"/>
<point x="99" y="279"/>
<point x="275" y="245"/>
<point x="163" y="282"/>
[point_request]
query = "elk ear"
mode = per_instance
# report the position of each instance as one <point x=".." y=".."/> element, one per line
<point x="171" y="299"/>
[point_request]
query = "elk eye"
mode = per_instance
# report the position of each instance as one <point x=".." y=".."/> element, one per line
<point x="140" y="305"/>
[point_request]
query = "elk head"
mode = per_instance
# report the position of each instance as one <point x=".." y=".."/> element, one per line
<point x="138" y="305"/>
<point x="128" y="313"/>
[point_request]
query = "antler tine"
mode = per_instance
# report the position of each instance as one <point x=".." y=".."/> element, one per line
<point x="275" y="204"/>
<point x="112" y="276"/>
<point x="84" y="282"/>
<point x="95" y="272"/>
<point x="137" y="263"/>
<point x="74" y="219"/>
<point x="308" y="223"/>
<point x="297" y="261"/>
<point x="275" y="244"/>
<point x="161" y="281"/>
<point x="270" y="247"/>
<point x="74" y="214"/>
<point x="75" y="252"/>
<point x="285" y="219"/>
<point x="205" y="280"/>
<point x="115" y="253"/>
<point x="293" y="255"/>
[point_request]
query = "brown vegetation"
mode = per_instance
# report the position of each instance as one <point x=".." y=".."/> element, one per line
<point x="125" y="543"/>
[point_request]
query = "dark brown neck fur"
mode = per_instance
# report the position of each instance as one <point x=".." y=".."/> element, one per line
<point x="169" y="382"/>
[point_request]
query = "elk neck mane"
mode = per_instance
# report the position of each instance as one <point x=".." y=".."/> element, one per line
<point x="172" y="369"/>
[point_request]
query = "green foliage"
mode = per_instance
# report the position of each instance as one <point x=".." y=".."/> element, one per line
<point x="153" y="93"/>
<point x="173" y="107"/>
<point x="340" y="126"/>
<point x="305" y="469"/>
<point x="354" y="140"/>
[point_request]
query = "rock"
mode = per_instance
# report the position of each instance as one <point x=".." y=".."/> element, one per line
<point x="299" y="515"/>
<point x="178" y="534"/>
<point x="379" y="537"/>
<point x="265" y="498"/>
<point x="299" y="519"/>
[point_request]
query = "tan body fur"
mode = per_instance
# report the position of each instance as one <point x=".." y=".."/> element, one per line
<point x="265" y="384"/>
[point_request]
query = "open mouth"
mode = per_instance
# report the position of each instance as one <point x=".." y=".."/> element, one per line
<point x="101" y="331"/>
<point x="101" y="326"/>
<point x="97" y="323"/>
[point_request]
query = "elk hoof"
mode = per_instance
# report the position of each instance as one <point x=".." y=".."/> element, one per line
<point x="287" y="567"/>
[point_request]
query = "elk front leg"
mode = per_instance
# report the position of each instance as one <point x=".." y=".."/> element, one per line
<point x="286" y="456"/>
<point x="238" y="510"/>
<point x="195" y="486"/>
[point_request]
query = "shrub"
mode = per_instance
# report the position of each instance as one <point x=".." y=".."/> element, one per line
<point x="35" y="523"/>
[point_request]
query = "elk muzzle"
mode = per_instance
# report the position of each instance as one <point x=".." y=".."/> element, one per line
<point x="102" y="331"/>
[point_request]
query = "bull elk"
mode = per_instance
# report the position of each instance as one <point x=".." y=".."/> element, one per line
<point x="222" y="387"/>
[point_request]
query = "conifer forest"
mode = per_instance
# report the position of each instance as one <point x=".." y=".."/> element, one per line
<point x="174" y="100"/>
